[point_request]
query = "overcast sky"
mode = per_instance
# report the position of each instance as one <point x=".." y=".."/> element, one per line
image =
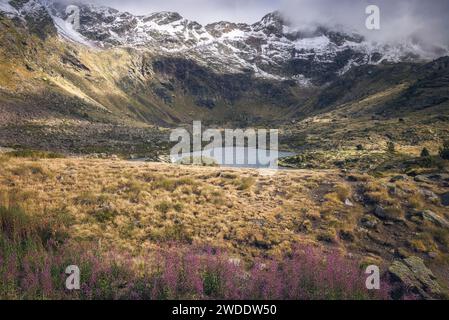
<point x="425" y="20"/>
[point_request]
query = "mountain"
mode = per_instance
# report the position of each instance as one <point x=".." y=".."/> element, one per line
<point x="271" y="48"/>
<point x="162" y="69"/>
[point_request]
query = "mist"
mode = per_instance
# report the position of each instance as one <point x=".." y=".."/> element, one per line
<point x="425" y="22"/>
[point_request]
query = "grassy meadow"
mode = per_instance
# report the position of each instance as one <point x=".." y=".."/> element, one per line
<point x="163" y="231"/>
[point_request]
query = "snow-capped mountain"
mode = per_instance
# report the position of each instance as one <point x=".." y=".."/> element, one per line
<point x="271" y="48"/>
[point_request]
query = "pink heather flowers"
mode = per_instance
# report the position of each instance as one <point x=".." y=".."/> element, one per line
<point x="182" y="273"/>
<point x="33" y="262"/>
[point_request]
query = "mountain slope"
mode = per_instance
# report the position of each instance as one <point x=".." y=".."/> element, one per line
<point x="163" y="70"/>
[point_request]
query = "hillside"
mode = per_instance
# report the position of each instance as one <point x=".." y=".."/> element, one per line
<point x="162" y="69"/>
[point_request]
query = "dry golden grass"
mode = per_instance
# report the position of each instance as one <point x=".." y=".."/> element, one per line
<point x="142" y="205"/>
<point x="135" y="205"/>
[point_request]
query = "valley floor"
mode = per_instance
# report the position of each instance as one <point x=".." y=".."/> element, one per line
<point x="137" y="206"/>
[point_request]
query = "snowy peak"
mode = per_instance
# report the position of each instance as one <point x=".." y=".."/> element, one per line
<point x="218" y="29"/>
<point x="163" y="18"/>
<point x="271" y="48"/>
<point x="6" y="8"/>
<point x="272" y="23"/>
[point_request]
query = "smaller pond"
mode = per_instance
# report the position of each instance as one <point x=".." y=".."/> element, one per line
<point x="235" y="157"/>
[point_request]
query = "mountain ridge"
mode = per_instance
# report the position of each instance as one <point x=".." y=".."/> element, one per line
<point x="271" y="48"/>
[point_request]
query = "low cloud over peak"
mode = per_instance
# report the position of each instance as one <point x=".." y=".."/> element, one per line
<point x="423" y="22"/>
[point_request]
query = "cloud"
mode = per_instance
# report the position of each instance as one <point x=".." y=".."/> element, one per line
<point x="421" y="21"/>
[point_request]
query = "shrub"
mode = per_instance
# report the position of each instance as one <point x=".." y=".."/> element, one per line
<point x="172" y="184"/>
<point x="172" y="233"/>
<point x="15" y="224"/>
<point x="179" y="207"/>
<point x="444" y="151"/>
<point x="163" y="206"/>
<point x="245" y="183"/>
<point x="89" y="198"/>
<point x="391" y="148"/>
<point x="343" y="192"/>
<point x="328" y="236"/>
<point x="425" y="153"/>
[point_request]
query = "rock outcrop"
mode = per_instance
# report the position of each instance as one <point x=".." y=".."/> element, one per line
<point x="415" y="277"/>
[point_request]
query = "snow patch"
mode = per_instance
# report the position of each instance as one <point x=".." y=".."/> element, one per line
<point x="6" y="7"/>
<point x="316" y="43"/>
<point x="66" y="30"/>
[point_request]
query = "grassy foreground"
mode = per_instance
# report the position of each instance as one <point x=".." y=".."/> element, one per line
<point x="160" y="231"/>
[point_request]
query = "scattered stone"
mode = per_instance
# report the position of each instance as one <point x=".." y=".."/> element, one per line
<point x="347" y="236"/>
<point x="369" y="222"/>
<point x="415" y="219"/>
<point x="348" y="203"/>
<point x="306" y="226"/>
<point x="164" y="158"/>
<point x="391" y="189"/>
<point x="433" y="217"/>
<point x="413" y="274"/>
<point x="383" y="214"/>
<point x="433" y="255"/>
<point x="380" y="213"/>
<point x="429" y="195"/>
<point x="398" y="178"/>
<point x="430" y="216"/>
<point x="445" y="199"/>
<point x="432" y="178"/>
<point x="235" y="261"/>
<point x="376" y="238"/>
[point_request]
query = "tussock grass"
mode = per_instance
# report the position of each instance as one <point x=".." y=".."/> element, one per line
<point x="245" y="183"/>
<point x="172" y="184"/>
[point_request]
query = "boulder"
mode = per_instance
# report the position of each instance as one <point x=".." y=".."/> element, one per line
<point x="387" y="214"/>
<point x="430" y="195"/>
<point x="380" y="213"/>
<point x="398" y="178"/>
<point x="432" y="217"/>
<point x="445" y="199"/>
<point x="369" y="222"/>
<point x="432" y="178"/>
<point x="347" y="236"/>
<point x="422" y="178"/>
<point x="413" y="275"/>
